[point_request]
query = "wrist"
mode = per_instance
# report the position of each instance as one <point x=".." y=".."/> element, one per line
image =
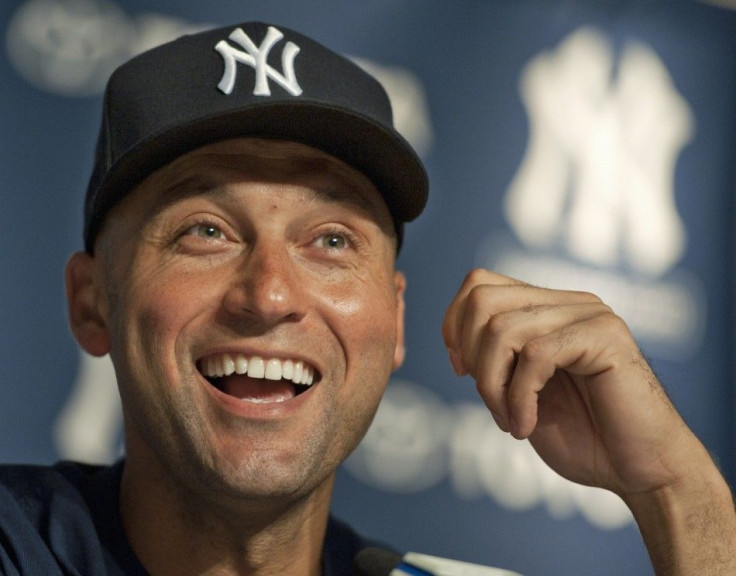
<point x="689" y="525"/>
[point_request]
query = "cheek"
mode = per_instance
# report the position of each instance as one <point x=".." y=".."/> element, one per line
<point x="364" y="319"/>
<point x="152" y="318"/>
<point x="364" y="322"/>
<point x="152" y="358"/>
<point x="347" y="307"/>
<point x="368" y="297"/>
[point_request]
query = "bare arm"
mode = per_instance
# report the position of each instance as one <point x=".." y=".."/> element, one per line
<point x="561" y="369"/>
<point x="689" y="528"/>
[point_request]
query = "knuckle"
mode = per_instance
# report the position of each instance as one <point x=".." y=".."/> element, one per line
<point x="498" y="325"/>
<point x="613" y="324"/>
<point x="533" y="352"/>
<point x="475" y="276"/>
<point x="477" y="297"/>
<point x="588" y="297"/>
<point x="612" y="321"/>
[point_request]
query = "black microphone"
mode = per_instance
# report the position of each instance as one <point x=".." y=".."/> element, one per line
<point x="375" y="562"/>
<point x="380" y="562"/>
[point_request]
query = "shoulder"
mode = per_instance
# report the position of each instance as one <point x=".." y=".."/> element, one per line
<point x="34" y="480"/>
<point x="38" y="491"/>
<point x="33" y="488"/>
<point x="50" y="516"/>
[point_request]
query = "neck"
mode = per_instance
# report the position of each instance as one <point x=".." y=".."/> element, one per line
<point x="177" y="530"/>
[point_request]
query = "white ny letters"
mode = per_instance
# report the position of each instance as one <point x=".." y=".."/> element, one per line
<point x="257" y="58"/>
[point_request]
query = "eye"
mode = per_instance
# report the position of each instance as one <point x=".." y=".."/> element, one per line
<point x="334" y="241"/>
<point x="206" y="231"/>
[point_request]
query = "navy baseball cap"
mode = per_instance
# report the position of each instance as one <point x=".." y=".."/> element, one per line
<point x="247" y="80"/>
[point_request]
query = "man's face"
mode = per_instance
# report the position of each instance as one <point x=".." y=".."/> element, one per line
<point x="256" y="256"/>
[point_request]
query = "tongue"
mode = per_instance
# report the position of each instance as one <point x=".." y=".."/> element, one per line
<point x="257" y="390"/>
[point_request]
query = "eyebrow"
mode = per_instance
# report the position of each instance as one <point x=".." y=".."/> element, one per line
<point x="352" y="197"/>
<point x="193" y="185"/>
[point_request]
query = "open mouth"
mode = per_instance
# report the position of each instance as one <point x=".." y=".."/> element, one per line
<point x="258" y="380"/>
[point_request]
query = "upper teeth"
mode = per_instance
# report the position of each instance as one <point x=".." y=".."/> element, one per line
<point x="221" y="365"/>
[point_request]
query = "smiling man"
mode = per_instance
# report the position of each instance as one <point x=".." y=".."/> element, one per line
<point x="231" y="289"/>
<point x="241" y="229"/>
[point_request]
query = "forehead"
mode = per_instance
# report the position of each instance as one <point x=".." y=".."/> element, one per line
<point x="211" y="167"/>
<point x="213" y="171"/>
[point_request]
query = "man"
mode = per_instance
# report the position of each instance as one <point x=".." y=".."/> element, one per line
<point x="241" y="229"/>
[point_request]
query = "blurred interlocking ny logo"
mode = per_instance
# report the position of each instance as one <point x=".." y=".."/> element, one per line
<point x="257" y="58"/>
<point x="597" y="180"/>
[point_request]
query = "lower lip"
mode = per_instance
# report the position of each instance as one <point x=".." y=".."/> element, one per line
<point x="258" y="411"/>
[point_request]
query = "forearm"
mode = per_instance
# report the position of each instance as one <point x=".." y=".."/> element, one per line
<point x="689" y="529"/>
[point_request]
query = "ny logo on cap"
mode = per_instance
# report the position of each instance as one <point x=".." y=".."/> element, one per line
<point x="257" y="58"/>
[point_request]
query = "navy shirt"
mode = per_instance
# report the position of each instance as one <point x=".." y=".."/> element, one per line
<point x="65" y="520"/>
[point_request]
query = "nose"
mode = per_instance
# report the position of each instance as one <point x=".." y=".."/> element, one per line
<point x="267" y="287"/>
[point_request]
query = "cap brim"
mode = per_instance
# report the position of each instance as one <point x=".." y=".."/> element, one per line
<point x="377" y="151"/>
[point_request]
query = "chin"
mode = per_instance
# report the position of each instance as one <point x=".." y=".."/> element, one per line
<point x="264" y="475"/>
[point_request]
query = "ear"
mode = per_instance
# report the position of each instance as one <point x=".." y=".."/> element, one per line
<point x="87" y="303"/>
<point x="400" y="351"/>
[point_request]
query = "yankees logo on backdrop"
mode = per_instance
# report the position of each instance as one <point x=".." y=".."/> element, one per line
<point x="257" y="58"/>
<point x="592" y="204"/>
<point x="598" y="174"/>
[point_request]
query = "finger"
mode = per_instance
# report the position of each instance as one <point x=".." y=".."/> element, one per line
<point x="494" y="392"/>
<point x="509" y="312"/>
<point x="500" y="421"/>
<point x="506" y="335"/>
<point x="456" y="311"/>
<point x="576" y="348"/>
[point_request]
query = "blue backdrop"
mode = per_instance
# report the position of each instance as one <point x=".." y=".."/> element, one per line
<point x="572" y="144"/>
